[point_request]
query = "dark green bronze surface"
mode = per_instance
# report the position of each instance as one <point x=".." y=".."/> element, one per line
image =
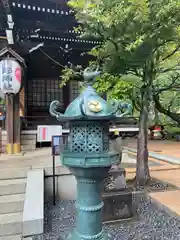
<point x="87" y="154"/>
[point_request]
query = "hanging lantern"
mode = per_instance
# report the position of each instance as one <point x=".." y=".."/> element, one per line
<point x="10" y="76"/>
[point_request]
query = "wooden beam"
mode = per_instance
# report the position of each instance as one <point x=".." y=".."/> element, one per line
<point x="6" y="6"/>
<point x="9" y="21"/>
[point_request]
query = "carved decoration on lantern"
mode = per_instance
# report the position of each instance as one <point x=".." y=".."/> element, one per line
<point x="89" y="105"/>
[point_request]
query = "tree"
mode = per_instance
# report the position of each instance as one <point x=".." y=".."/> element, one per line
<point x="1" y="101"/>
<point x="167" y="95"/>
<point x="138" y="37"/>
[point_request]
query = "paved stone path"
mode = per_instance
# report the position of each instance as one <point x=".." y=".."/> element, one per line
<point x="171" y="176"/>
<point x="40" y="158"/>
<point x="169" y="148"/>
<point x="170" y="200"/>
<point x="163" y="171"/>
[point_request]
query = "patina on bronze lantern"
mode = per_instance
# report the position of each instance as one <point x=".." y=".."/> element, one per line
<point x="87" y="154"/>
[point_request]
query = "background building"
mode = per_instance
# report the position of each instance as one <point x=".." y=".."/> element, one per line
<point x="42" y="33"/>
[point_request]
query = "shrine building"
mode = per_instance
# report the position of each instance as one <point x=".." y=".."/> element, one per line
<point x="40" y="36"/>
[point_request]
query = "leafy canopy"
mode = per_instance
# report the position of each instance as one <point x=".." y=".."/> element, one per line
<point x="116" y="87"/>
<point x="137" y="36"/>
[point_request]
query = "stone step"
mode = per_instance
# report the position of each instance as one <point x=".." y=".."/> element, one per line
<point x="11" y="237"/>
<point x="11" y="203"/>
<point x="13" y="173"/>
<point x="28" y="137"/>
<point x="13" y="186"/>
<point x="15" y="237"/>
<point x="11" y="224"/>
<point x="28" y="148"/>
<point x="3" y="138"/>
<point x="28" y="142"/>
<point x="33" y="214"/>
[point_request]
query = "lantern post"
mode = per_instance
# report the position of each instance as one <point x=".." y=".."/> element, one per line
<point x="87" y="155"/>
<point x="10" y="85"/>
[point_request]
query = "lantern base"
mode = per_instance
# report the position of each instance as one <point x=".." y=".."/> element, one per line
<point x="13" y="148"/>
<point x="75" y="236"/>
<point x="16" y="148"/>
<point x="9" y="148"/>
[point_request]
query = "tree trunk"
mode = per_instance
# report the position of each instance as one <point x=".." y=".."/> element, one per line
<point x="142" y="168"/>
<point x="156" y="118"/>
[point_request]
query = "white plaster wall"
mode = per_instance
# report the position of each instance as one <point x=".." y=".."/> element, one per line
<point x="65" y="187"/>
<point x="1" y="94"/>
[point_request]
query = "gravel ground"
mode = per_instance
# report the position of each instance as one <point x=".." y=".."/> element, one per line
<point x="153" y="185"/>
<point x="152" y="222"/>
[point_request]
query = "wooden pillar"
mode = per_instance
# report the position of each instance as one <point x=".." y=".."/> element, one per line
<point x="17" y="130"/>
<point x="9" y="122"/>
<point x="12" y="124"/>
<point x="66" y="95"/>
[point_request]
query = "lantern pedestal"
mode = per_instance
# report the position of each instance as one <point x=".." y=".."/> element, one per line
<point x="89" y="204"/>
<point x="88" y="157"/>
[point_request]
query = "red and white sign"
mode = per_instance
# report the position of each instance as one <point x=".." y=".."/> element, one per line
<point x="45" y="132"/>
<point x="18" y="74"/>
<point x="10" y="76"/>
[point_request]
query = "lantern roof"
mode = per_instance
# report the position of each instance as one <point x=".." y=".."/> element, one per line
<point x="89" y="105"/>
<point x="7" y="50"/>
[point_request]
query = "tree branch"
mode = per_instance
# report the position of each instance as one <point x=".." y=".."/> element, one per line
<point x="174" y="116"/>
<point x="170" y="69"/>
<point x="161" y="44"/>
<point x="172" y="101"/>
<point x="173" y="84"/>
<point x="172" y="53"/>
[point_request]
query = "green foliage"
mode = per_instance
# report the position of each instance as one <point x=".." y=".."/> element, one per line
<point x="115" y="87"/>
<point x="134" y="33"/>
<point x="1" y="101"/>
<point x="69" y="74"/>
<point x="172" y="129"/>
<point x="171" y="100"/>
<point x="137" y="37"/>
<point x="66" y="76"/>
<point x="140" y="38"/>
